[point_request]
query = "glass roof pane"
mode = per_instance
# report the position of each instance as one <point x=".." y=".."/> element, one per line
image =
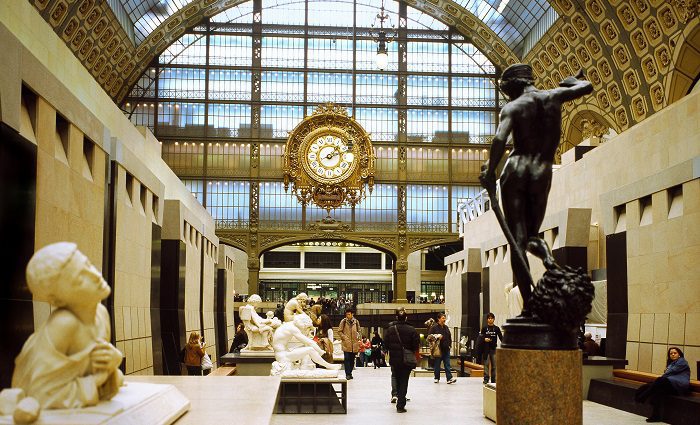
<point x="419" y="20"/>
<point x="331" y="13"/>
<point x="241" y="14"/>
<point x="367" y="11"/>
<point x="512" y="20"/>
<point x="283" y="12"/>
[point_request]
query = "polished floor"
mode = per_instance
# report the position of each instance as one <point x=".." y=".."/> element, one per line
<point x="431" y="404"/>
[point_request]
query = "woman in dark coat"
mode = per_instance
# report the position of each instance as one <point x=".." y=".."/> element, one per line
<point x="674" y="381"/>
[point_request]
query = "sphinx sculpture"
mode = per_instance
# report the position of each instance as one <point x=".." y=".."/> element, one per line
<point x="258" y="329"/>
<point x="68" y="362"/>
<point x="293" y="350"/>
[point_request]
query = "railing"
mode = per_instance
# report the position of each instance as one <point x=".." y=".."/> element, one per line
<point x="470" y="208"/>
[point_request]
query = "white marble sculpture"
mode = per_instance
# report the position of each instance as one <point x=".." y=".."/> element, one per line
<point x="67" y="371"/>
<point x="258" y="329"/>
<point x="296" y="305"/>
<point x="290" y="357"/>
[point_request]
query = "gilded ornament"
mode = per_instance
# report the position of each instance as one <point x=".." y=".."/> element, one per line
<point x="329" y="159"/>
<point x="580" y="23"/>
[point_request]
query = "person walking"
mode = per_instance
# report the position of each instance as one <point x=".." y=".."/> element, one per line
<point x="444" y="339"/>
<point x="489" y="333"/>
<point x="397" y="337"/>
<point x="349" y="331"/>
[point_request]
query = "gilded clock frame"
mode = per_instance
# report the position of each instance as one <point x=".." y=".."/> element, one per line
<point x="329" y="193"/>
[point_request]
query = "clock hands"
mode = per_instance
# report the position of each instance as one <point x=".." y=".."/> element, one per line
<point x="335" y="152"/>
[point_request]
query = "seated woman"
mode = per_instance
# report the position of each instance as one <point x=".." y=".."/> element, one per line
<point x="674" y="381"/>
<point x="240" y="339"/>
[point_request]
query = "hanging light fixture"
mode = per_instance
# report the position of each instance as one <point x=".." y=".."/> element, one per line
<point x="381" y="38"/>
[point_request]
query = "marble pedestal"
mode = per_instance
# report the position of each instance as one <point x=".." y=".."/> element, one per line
<point x="249" y="365"/>
<point x="539" y="387"/>
<point x="135" y="403"/>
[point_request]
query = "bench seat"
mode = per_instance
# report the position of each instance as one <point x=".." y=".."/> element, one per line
<point x="472" y="369"/>
<point x="619" y="394"/>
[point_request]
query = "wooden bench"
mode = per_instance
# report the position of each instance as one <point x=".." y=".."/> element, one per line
<point x="646" y="377"/>
<point x="619" y="392"/>
<point x="471" y="369"/>
<point x="223" y="371"/>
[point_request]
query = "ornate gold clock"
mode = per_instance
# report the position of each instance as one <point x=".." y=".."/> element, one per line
<point x="329" y="159"/>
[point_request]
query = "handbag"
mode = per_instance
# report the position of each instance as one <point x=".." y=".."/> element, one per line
<point x="408" y="356"/>
<point x="206" y="362"/>
<point x="435" y="351"/>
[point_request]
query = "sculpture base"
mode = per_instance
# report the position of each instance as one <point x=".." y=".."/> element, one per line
<point x="523" y="333"/>
<point x="539" y="387"/>
<point x="257" y="353"/>
<point x="136" y="403"/>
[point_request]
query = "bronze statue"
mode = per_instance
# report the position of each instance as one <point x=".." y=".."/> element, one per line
<point x="532" y="119"/>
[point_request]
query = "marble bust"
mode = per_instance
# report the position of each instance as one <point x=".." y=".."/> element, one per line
<point x="293" y="348"/>
<point x="68" y="362"/>
<point x="258" y="329"/>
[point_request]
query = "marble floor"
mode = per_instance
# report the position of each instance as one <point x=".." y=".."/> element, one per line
<point x="461" y="403"/>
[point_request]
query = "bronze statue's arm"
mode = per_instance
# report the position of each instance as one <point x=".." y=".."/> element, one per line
<point x="498" y="146"/>
<point x="573" y="87"/>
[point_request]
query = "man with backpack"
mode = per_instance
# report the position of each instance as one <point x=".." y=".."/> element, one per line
<point x="402" y="341"/>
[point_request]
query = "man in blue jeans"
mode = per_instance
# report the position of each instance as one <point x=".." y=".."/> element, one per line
<point x="444" y="337"/>
<point x="349" y="330"/>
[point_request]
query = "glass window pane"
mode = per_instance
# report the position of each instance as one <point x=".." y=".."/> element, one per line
<point x="367" y="52"/>
<point x="278" y="120"/>
<point x="229" y="84"/>
<point x="424" y="125"/>
<point x="473" y="91"/>
<point x="381" y="123"/>
<point x="427" y="57"/>
<point x="228" y="202"/>
<point x="426" y="208"/>
<point x="233" y="50"/>
<point x="330" y="53"/>
<point x="180" y="119"/>
<point x="282" y="86"/>
<point x="376" y="88"/>
<point x="477" y="126"/>
<point x="427" y="90"/>
<point x="282" y="52"/>
<point x="229" y="120"/>
<point x="329" y="87"/>
<point x="181" y="83"/>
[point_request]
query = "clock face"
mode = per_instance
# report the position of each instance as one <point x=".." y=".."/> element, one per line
<point x="329" y="158"/>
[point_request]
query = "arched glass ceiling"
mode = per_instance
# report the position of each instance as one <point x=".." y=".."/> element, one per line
<point x="512" y="20"/>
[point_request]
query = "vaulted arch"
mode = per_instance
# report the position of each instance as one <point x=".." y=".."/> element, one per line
<point x="445" y="11"/>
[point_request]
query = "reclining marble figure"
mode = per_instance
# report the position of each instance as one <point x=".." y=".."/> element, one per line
<point x="290" y="357"/>
<point x="258" y="329"/>
<point x="68" y="362"/>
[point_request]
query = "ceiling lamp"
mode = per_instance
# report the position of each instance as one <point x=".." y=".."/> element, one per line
<point x="379" y="35"/>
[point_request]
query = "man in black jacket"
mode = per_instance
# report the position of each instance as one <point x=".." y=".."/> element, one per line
<point x="400" y="335"/>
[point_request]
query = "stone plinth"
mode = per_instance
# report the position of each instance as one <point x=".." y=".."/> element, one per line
<point x="539" y="387"/>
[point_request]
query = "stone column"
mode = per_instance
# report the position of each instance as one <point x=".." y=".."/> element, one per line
<point x="400" y="281"/>
<point x="539" y="387"/>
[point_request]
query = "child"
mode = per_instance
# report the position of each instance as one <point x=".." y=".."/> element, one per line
<point x="68" y="362"/>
